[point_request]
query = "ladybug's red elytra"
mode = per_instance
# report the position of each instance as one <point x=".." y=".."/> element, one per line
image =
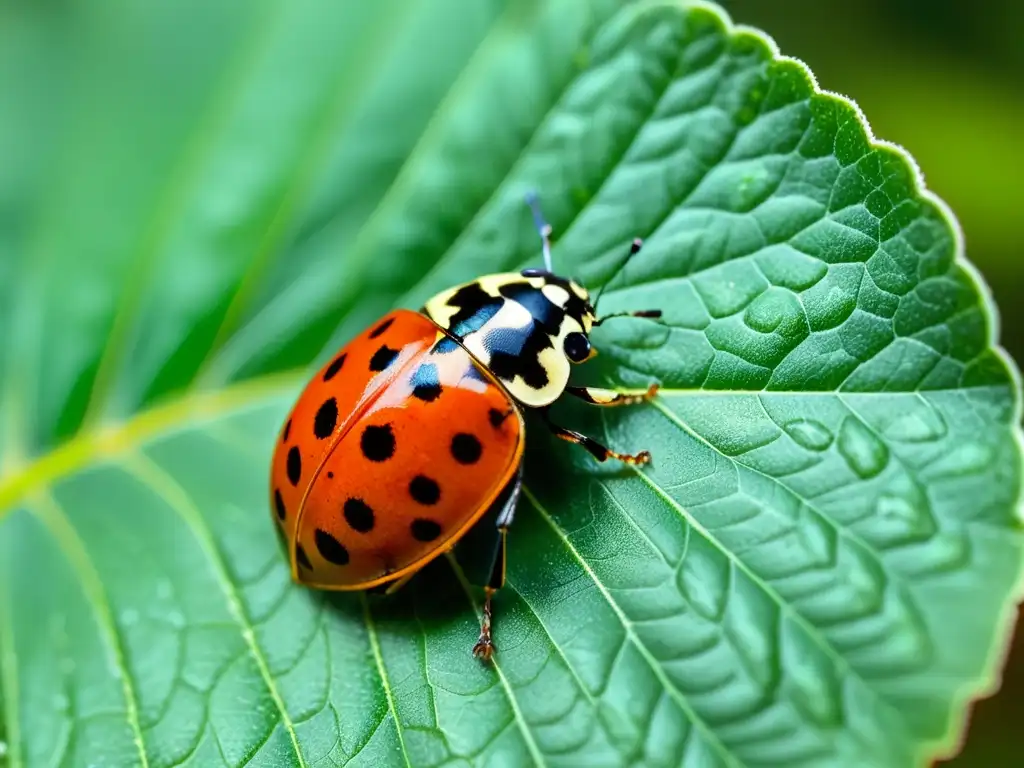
<point x="414" y="430"/>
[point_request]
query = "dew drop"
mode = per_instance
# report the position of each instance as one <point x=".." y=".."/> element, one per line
<point x="897" y="508"/>
<point x="129" y="617"/>
<point x="966" y="458"/>
<point x="3" y="749"/>
<point x="917" y="424"/>
<point x="912" y="518"/>
<point x="61" y="703"/>
<point x="176" y="619"/>
<point x="809" y="434"/>
<point x="865" y="453"/>
<point x="902" y="514"/>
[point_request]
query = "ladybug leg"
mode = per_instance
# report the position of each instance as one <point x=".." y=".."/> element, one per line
<point x="598" y="451"/>
<point x="609" y="397"/>
<point x="484" y="648"/>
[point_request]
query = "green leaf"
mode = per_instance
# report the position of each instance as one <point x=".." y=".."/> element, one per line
<point x="202" y="200"/>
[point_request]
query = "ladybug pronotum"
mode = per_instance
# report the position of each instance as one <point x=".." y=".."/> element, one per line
<point x="414" y="430"/>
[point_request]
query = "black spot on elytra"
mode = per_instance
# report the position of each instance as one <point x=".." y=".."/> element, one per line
<point x="381" y="328"/>
<point x="294" y="465"/>
<point x="331" y="550"/>
<point x="330" y="475"/>
<point x="426" y="383"/>
<point x="378" y="442"/>
<point x="382" y="358"/>
<point x="334" y="367"/>
<point x="358" y="515"/>
<point x="287" y="431"/>
<point x="466" y="448"/>
<point x="496" y="417"/>
<point x="424" y="490"/>
<point x="279" y="505"/>
<point x="300" y="555"/>
<point x="326" y="419"/>
<point x="423" y="529"/>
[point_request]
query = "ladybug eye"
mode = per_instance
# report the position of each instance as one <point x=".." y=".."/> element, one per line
<point x="577" y="347"/>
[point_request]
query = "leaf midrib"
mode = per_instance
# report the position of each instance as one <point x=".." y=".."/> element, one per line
<point x="112" y="439"/>
<point x="197" y="406"/>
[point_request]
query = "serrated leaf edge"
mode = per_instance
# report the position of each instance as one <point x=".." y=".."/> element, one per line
<point x="952" y="743"/>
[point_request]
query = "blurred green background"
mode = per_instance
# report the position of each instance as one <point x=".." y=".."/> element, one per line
<point x="945" y="80"/>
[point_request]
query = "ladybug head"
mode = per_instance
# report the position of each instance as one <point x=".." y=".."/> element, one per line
<point x="573" y="300"/>
<point x="568" y="316"/>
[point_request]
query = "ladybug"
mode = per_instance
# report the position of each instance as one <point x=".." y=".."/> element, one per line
<point x="414" y="430"/>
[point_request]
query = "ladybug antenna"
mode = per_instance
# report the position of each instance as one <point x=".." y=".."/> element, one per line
<point x="634" y="249"/>
<point x="543" y="228"/>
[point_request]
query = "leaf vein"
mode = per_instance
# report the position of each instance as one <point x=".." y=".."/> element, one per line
<point x="9" y="674"/>
<point x="446" y="255"/>
<point x="45" y="507"/>
<point x="709" y="736"/>
<point x="176" y="194"/>
<point x="378" y="658"/>
<point x="431" y="686"/>
<point x="558" y="648"/>
<point x="302" y="182"/>
<point x="153" y="476"/>
<point x="517" y="714"/>
<point x="358" y="255"/>
<point x="812" y="631"/>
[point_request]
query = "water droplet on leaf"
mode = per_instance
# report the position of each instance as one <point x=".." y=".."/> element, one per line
<point x="918" y="423"/>
<point x="809" y="434"/>
<point x="863" y="451"/>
